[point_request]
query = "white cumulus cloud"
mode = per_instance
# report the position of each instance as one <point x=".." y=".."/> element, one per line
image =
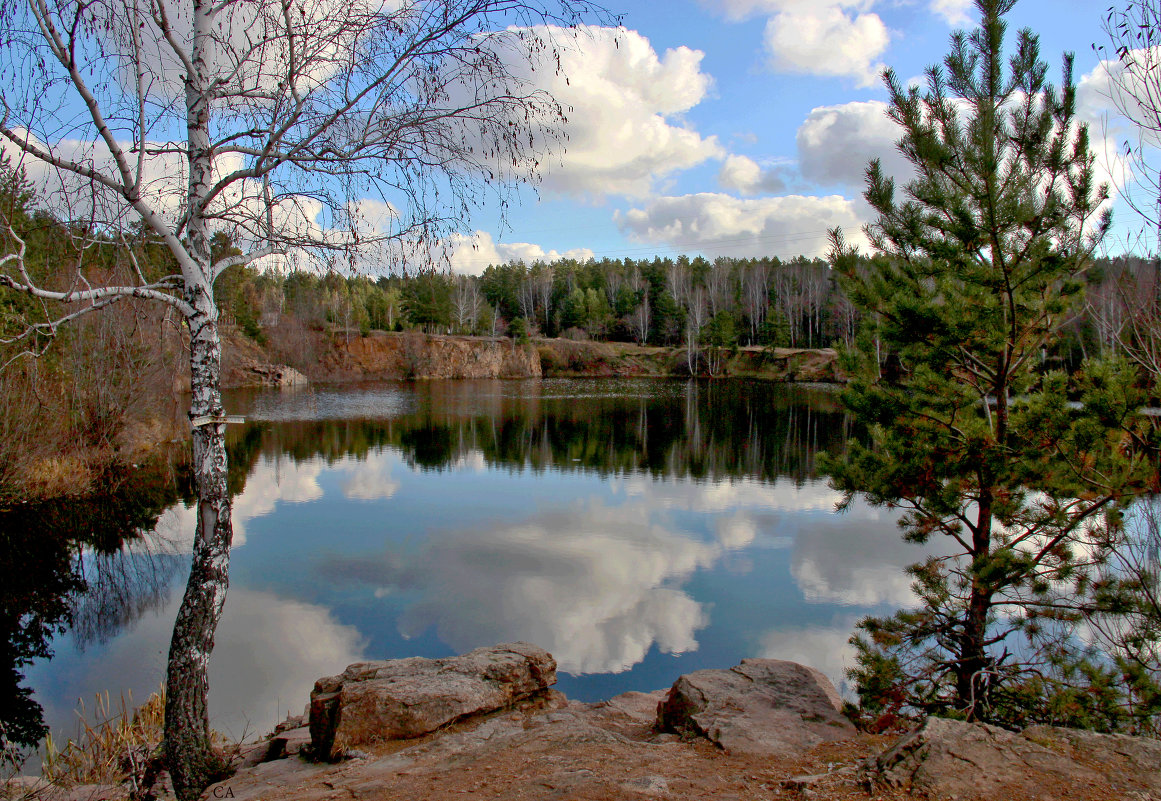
<point x="824" y="648"/>
<point x="836" y="143"/>
<point x="720" y="225"/>
<point x="368" y="478"/>
<point x="744" y="175"/>
<point x="270" y="482"/>
<point x="828" y="40"/>
<point x="593" y="586"/>
<point x="855" y="559"/>
<point x="955" y="12"/>
<point x="1100" y="95"/>
<point x="735" y="493"/>
<point x="268" y="651"/>
<point x="624" y="103"/>
<point x="471" y="255"/>
<point x="837" y="38"/>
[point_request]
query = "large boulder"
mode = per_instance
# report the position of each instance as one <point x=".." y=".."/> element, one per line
<point x="762" y="707"/>
<point x="402" y="698"/>
<point x="954" y="759"/>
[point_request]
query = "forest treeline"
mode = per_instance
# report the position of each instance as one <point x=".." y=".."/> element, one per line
<point x="683" y="302"/>
<point x="75" y="397"/>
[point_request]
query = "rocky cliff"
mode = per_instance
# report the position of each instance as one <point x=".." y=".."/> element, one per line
<point x="329" y="357"/>
<point x="415" y="355"/>
<point x="296" y="356"/>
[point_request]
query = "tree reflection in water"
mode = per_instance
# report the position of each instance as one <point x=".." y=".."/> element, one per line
<point x="79" y="563"/>
<point x="703" y="432"/>
<point x="687" y="429"/>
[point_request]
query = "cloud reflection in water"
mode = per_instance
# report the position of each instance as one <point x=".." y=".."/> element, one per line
<point x="596" y="585"/>
<point x="824" y="648"/>
<point x="268" y="652"/>
<point x="601" y="582"/>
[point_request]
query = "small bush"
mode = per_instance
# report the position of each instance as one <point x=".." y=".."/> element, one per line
<point x="550" y="360"/>
<point x="518" y="330"/>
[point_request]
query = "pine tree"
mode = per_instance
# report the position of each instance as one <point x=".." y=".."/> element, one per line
<point x="1009" y="484"/>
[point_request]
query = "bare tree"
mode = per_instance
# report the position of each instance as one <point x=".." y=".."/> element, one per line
<point x="526" y="293"/>
<point x="641" y="319"/>
<point x="542" y="278"/>
<point x="756" y="295"/>
<point x="614" y="279"/>
<point x="301" y="131"/>
<point x="678" y="280"/>
<point x="695" y="320"/>
<point x="719" y="284"/>
<point x="466" y="302"/>
<point x="1134" y="70"/>
<point x="1124" y="310"/>
<point x="844" y="315"/>
<point x="787" y="296"/>
<point x="635" y="280"/>
<point x="1111" y="304"/>
<point x="816" y="289"/>
<point x="1127" y="618"/>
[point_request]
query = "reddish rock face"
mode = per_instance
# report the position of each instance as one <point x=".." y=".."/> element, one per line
<point x="414" y="355"/>
<point x="760" y="707"/>
<point x="403" y="698"/>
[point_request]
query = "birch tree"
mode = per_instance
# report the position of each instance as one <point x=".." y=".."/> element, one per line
<point x="466" y="302"/>
<point x="695" y="319"/>
<point x="1134" y="31"/>
<point x="640" y="319"/>
<point x="309" y="131"/>
<point x="756" y="295"/>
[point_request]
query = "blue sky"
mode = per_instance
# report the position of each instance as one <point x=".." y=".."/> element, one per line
<point x="742" y="127"/>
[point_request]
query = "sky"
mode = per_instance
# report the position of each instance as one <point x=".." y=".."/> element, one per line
<point x="743" y="127"/>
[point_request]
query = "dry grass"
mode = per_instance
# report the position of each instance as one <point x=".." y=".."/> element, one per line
<point x="111" y="750"/>
<point x="58" y="476"/>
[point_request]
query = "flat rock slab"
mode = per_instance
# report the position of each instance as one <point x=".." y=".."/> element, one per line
<point x="954" y="759"/>
<point x="405" y="698"/>
<point x="633" y="713"/>
<point x="760" y="707"/>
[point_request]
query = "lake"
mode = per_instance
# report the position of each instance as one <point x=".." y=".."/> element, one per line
<point x="637" y="529"/>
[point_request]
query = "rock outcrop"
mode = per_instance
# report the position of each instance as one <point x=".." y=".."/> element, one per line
<point x="404" y="698"/>
<point x="953" y="759"/>
<point x="546" y="748"/>
<point x="246" y="364"/>
<point x="267" y="375"/>
<point x="457" y="728"/>
<point x="760" y="707"/>
<point x="341" y="356"/>
<point x="415" y="355"/>
<point x="806" y="365"/>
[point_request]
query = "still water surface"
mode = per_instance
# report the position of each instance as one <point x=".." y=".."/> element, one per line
<point x="637" y="529"/>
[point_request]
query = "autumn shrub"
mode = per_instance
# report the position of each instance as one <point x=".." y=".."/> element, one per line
<point x="551" y="361"/>
<point x="32" y="427"/>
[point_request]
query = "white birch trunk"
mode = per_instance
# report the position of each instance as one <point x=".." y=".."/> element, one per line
<point x="189" y="755"/>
